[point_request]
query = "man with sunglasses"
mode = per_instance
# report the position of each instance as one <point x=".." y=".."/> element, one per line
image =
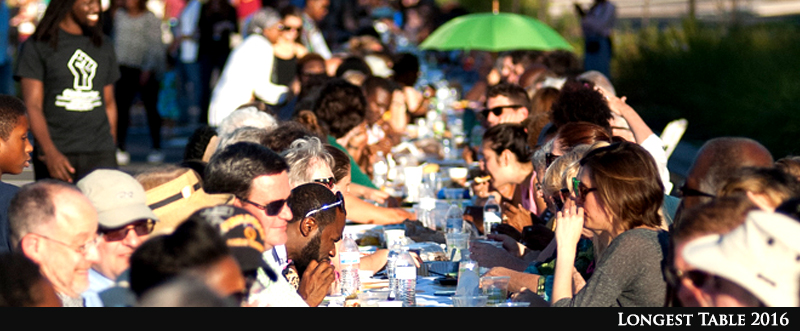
<point x="259" y="179"/>
<point x="506" y="103"/>
<point x="317" y="225"/>
<point x="716" y="160"/>
<point x="125" y="221"/>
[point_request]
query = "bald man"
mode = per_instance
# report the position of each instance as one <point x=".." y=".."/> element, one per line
<point x="715" y="161"/>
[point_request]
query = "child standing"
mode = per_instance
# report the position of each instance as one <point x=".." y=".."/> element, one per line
<point x="15" y="155"/>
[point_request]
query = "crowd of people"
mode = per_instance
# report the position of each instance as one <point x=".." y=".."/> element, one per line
<point x="255" y="212"/>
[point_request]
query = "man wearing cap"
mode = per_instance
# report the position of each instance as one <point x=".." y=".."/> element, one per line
<point x="124" y="221"/>
<point x="244" y="236"/>
<point x="756" y="264"/>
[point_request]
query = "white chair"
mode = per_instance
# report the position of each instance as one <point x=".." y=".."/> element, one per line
<point x="672" y="134"/>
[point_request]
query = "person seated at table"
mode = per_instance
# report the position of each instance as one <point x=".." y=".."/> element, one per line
<point x="506" y="103"/>
<point x="359" y="211"/>
<point x="316" y="226"/>
<point x="380" y="134"/>
<point x="244" y="235"/>
<point x="194" y="248"/>
<point x="619" y="193"/>
<point x="506" y="153"/>
<point x="533" y="268"/>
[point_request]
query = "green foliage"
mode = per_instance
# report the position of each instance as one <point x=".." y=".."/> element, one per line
<point x="741" y="81"/>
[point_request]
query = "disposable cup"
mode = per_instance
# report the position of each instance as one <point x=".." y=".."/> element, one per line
<point x="496" y="288"/>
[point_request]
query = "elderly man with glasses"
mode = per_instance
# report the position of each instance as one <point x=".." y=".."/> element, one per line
<point x="55" y="226"/>
<point x="125" y="221"/>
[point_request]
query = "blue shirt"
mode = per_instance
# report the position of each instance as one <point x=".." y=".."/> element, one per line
<point x="7" y="191"/>
<point x="97" y="283"/>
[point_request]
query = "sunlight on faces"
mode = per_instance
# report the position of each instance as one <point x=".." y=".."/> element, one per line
<point x="86" y="12"/>
<point x="321" y="246"/>
<point x="494" y="165"/>
<point x="378" y="102"/>
<point x="115" y="255"/>
<point x="75" y="225"/>
<point x="499" y="101"/>
<point x="16" y="150"/>
<point x="321" y="170"/>
<point x="292" y="26"/>
<point x="266" y="189"/>
<point x="595" y="216"/>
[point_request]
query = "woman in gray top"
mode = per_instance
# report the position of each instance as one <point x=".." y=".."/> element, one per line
<point x="618" y="192"/>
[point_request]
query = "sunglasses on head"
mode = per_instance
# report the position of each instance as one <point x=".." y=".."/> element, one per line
<point x="497" y="111"/>
<point x="271" y="209"/>
<point x="581" y="190"/>
<point x="329" y="182"/>
<point x="142" y="228"/>
<point x="338" y="203"/>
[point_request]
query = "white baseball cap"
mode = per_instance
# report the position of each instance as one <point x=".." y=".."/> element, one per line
<point x="762" y="256"/>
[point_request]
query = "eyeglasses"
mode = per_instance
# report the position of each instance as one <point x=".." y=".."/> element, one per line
<point x="271" y="209"/>
<point x="690" y="192"/>
<point x="285" y="28"/>
<point x="697" y="277"/>
<point x="82" y="249"/>
<point x="560" y="198"/>
<point x="497" y="111"/>
<point x="549" y="158"/>
<point x="330" y="182"/>
<point x="339" y="203"/>
<point x="142" y="228"/>
<point x="581" y="190"/>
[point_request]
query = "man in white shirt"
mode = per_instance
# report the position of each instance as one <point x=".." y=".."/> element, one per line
<point x="311" y="37"/>
<point x="247" y="72"/>
<point x="259" y="180"/>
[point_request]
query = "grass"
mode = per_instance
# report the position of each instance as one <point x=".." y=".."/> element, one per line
<point x="742" y="81"/>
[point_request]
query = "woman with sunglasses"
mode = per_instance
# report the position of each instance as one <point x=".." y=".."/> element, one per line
<point x="287" y="50"/>
<point x="507" y="158"/>
<point x="618" y="193"/>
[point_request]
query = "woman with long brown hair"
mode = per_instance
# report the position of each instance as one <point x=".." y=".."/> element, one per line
<point x="618" y="192"/>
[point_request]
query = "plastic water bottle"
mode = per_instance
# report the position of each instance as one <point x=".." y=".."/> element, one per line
<point x="380" y="170"/>
<point x="391" y="266"/>
<point x="349" y="262"/>
<point x="455" y="219"/>
<point x="406" y="275"/>
<point x="492" y="216"/>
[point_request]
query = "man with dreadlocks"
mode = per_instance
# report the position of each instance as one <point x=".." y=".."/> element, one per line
<point x="67" y="73"/>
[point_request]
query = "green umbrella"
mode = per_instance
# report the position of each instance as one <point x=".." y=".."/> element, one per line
<point x="495" y="33"/>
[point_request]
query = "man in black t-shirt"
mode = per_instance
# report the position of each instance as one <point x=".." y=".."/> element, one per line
<point x="67" y="73"/>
